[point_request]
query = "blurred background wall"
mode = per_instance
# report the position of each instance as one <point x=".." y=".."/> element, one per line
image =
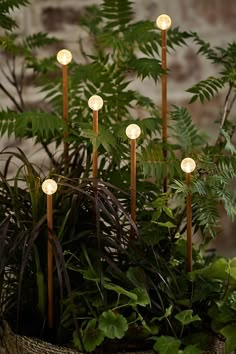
<point x="213" y="20"/>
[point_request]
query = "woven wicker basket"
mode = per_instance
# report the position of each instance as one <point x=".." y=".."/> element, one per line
<point x="16" y="344"/>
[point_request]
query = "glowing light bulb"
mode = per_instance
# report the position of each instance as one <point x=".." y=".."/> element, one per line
<point x="95" y="102"/>
<point x="188" y="165"/>
<point x="49" y="186"/>
<point x="133" y="131"/>
<point x="64" y="56"/>
<point x="163" y="22"/>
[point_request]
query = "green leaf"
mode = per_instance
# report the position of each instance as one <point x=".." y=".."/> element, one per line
<point x="229" y="333"/>
<point x="206" y="89"/>
<point x="231" y="269"/>
<point x="147" y="67"/>
<point x="167" y="313"/>
<point x="186" y="317"/>
<point x="186" y="132"/>
<point x="118" y="289"/>
<point x="137" y="276"/>
<point x="217" y="270"/>
<point x="6" y="21"/>
<point x="167" y="224"/>
<point x="167" y="345"/>
<point x="91" y="336"/>
<point x="191" y="349"/>
<point x="168" y="211"/>
<point x="114" y="325"/>
<point x="142" y="298"/>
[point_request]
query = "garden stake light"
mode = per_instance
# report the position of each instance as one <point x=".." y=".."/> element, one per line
<point x="49" y="187"/>
<point x="64" y="57"/>
<point x="133" y="131"/>
<point x="188" y="165"/>
<point x="95" y="103"/>
<point x="164" y="22"/>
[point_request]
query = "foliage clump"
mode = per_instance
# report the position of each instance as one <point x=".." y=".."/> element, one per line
<point x="111" y="289"/>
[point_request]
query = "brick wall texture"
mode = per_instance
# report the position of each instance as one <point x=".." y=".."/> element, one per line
<point x="214" y="20"/>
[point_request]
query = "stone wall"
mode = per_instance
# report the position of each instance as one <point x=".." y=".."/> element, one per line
<point x="214" y="20"/>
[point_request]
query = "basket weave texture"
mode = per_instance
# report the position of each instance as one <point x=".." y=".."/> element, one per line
<point x="11" y="343"/>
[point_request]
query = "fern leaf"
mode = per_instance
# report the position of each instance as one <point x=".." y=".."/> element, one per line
<point x="10" y="45"/>
<point x="147" y="67"/>
<point x="7" y="5"/>
<point x="118" y="14"/>
<point x="185" y="132"/>
<point x="226" y="166"/>
<point x="204" y="47"/>
<point x="144" y="36"/>
<point x="7" y="122"/>
<point x="228" y="144"/>
<point x="30" y="124"/>
<point x="6" y="21"/>
<point x="152" y="163"/>
<point x="206" y="89"/>
<point x="176" y="37"/>
<point x="205" y="214"/>
<point x="39" y="40"/>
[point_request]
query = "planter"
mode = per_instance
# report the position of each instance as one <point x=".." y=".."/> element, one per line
<point x="12" y="343"/>
<point x="216" y="345"/>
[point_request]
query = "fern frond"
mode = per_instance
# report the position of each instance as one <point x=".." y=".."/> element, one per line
<point x="147" y="67"/>
<point x="228" y="144"/>
<point x="226" y="166"/>
<point x="206" y="89"/>
<point x="6" y="21"/>
<point x="152" y="163"/>
<point x="42" y="125"/>
<point x="228" y="200"/>
<point x="143" y="35"/>
<point x="7" y="5"/>
<point x="39" y="40"/>
<point x="10" y="44"/>
<point x="204" y="47"/>
<point x="7" y="123"/>
<point x="199" y="187"/>
<point x="206" y="214"/>
<point x="118" y="14"/>
<point x="176" y="37"/>
<point x="185" y="132"/>
<point x="179" y="186"/>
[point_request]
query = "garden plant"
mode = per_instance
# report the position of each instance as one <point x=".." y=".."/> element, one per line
<point x="114" y="291"/>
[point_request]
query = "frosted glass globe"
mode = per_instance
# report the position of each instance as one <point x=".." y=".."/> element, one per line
<point x="49" y="186"/>
<point x="133" y="131"/>
<point x="163" y="22"/>
<point x="95" y="102"/>
<point x="188" y="165"/>
<point x="64" y="56"/>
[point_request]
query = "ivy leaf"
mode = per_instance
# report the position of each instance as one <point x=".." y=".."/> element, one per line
<point x="112" y="324"/>
<point x="167" y="345"/>
<point x="186" y="317"/>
